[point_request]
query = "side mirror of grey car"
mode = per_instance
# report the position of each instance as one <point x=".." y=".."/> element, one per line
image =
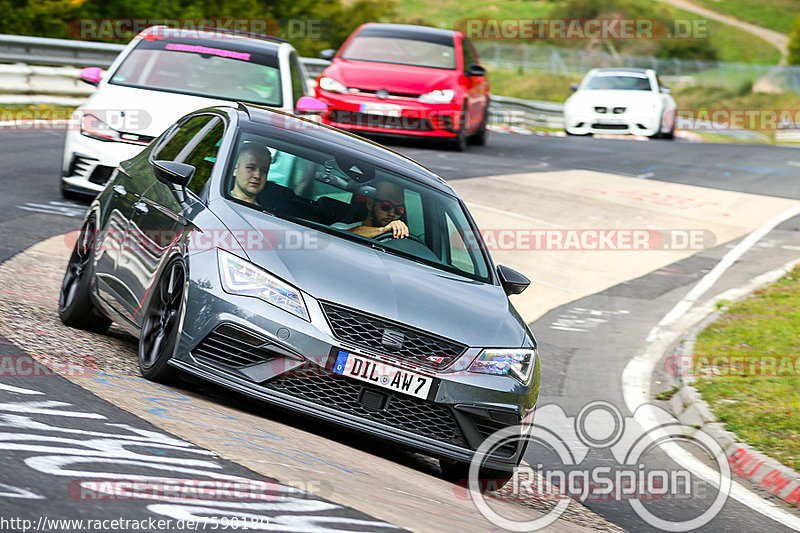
<point x="512" y="281"/>
<point x="475" y="70"/>
<point x="173" y="173"/>
<point x="573" y="87"/>
<point x="666" y="90"/>
<point x="328" y="53"/>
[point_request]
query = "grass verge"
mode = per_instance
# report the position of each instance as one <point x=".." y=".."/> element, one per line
<point x="23" y="112"/>
<point x="776" y="15"/>
<point x="750" y="369"/>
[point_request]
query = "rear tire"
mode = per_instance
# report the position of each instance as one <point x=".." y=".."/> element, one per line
<point x="75" y="306"/>
<point x="160" y="331"/>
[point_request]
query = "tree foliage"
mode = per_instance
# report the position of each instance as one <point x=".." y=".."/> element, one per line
<point x="310" y="25"/>
<point x="794" y="43"/>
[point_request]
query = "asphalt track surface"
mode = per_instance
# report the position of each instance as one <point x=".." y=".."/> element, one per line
<point x="582" y="362"/>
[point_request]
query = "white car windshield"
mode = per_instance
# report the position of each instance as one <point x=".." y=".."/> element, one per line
<point x="618" y="82"/>
<point x="334" y="193"/>
<point x="200" y="69"/>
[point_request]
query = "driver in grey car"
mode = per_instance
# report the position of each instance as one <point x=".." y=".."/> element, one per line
<point x="384" y="211"/>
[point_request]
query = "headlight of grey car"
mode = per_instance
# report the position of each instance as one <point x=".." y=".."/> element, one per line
<point x="515" y="362"/>
<point x="246" y="279"/>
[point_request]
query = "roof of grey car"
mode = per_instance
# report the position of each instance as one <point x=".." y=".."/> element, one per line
<point x="358" y="146"/>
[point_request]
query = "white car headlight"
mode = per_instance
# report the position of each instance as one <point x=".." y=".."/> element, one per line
<point x="330" y="84"/>
<point x="94" y="128"/>
<point x="439" y="96"/>
<point x="245" y="279"/>
<point x="515" y="362"/>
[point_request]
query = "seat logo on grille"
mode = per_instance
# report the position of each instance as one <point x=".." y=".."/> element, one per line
<point x="383" y="94"/>
<point x="392" y="339"/>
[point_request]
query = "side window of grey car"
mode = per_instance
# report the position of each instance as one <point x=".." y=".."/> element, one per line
<point x="204" y="155"/>
<point x="180" y="137"/>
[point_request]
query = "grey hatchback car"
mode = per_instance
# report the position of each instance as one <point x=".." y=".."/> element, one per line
<point x="314" y="270"/>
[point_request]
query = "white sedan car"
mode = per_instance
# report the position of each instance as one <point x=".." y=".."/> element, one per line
<point x="162" y="75"/>
<point x="621" y="100"/>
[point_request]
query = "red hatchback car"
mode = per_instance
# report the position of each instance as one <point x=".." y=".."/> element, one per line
<point x="397" y="79"/>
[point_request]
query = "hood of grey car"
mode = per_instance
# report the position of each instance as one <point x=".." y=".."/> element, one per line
<point x="373" y="281"/>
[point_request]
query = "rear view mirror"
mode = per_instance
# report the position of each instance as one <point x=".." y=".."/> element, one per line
<point x="513" y="282"/>
<point x="91" y="75"/>
<point x="666" y="90"/>
<point x="328" y="53"/>
<point x="475" y="70"/>
<point x="173" y="173"/>
<point x="573" y="87"/>
<point x="307" y="104"/>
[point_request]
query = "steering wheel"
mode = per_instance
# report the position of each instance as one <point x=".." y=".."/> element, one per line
<point x="387" y="235"/>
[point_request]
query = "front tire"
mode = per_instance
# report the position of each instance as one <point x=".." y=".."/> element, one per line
<point x="459" y="142"/>
<point x="160" y="327"/>
<point x="479" y="137"/>
<point x="75" y="306"/>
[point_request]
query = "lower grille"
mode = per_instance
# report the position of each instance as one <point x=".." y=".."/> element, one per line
<point x="399" y="411"/>
<point x="486" y="427"/>
<point x="78" y="165"/>
<point x="101" y="174"/>
<point x="610" y="126"/>
<point x="380" y="121"/>
<point x="232" y="347"/>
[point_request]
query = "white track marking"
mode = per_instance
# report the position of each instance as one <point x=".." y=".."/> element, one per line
<point x="636" y="375"/>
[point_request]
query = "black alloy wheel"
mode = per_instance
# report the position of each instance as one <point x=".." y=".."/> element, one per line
<point x="75" y="306"/>
<point x="160" y="329"/>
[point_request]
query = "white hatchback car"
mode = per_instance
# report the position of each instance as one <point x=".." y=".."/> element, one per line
<point x="162" y="75"/>
<point x="621" y="100"/>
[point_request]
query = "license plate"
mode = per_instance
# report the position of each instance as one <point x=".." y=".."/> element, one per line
<point x="384" y="110"/>
<point x="383" y="375"/>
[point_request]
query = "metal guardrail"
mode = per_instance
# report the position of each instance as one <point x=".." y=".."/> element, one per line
<point x="516" y="112"/>
<point x="44" y="51"/>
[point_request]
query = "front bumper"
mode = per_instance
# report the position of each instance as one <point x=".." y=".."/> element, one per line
<point x="252" y="347"/>
<point x="88" y="163"/>
<point x="620" y="123"/>
<point x="395" y="116"/>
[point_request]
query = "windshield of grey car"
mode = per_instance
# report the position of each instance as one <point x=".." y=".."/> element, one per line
<point x="202" y="69"/>
<point x="335" y="193"/>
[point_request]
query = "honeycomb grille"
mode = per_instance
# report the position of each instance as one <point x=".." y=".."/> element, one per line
<point x="486" y="427"/>
<point x="403" y="412"/>
<point x="232" y="347"/>
<point x="361" y="329"/>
